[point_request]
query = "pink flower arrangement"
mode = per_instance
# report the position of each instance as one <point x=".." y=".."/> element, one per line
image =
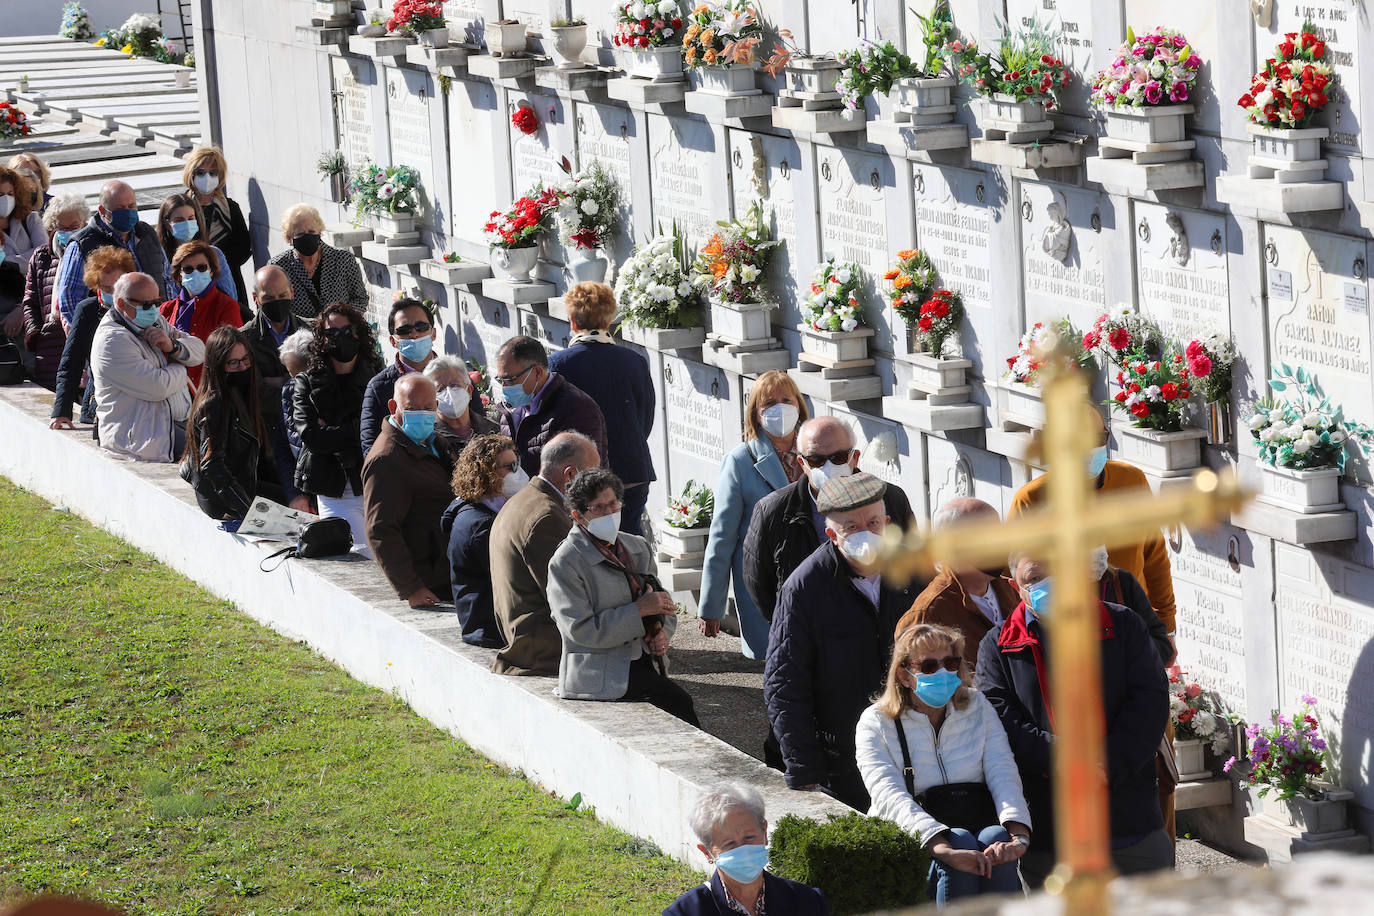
<point x="1155" y="69"/>
<point x="1289" y="756"/>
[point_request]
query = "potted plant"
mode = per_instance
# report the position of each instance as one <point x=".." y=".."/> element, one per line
<point x="389" y="194"/>
<point x="569" y="38"/>
<point x="732" y="270"/>
<point x="659" y="306"/>
<point x="1146" y="88"/>
<point x="1198" y="724"/>
<point x="923" y="97"/>
<point x="333" y="167"/>
<point x="587" y="219"/>
<point x="832" y="316"/>
<point x="1301" y="442"/>
<point x="871" y="69"/>
<point x="506" y="38"/>
<point x="648" y="37"/>
<point x="719" y="47"/>
<point x="76" y="23"/>
<point x="1288" y="759"/>
<point x="1211" y="359"/>
<point x="1284" y="98"/>
<point x="1021" y="388"/>
<point x="687" y="521"/>
<point x="1155" y="383"/>
<point x="420" y="19"/>
<point x="1019" y="80"/>
<point x="513" y="236"/>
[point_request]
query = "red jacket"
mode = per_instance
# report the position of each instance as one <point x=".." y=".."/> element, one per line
<point x="213" y="309"/>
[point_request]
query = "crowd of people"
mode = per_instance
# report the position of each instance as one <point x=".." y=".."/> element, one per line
<point x="924" y="703"/>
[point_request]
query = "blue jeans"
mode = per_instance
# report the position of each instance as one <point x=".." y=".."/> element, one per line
<point x="948" y="884"/>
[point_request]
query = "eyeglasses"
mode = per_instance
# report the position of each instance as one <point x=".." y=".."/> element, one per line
<point x="931" y="665"/>
<point x="597" y="510"/>
<point x="236" y="365"/>
<point x="341" y="332"/>
<point x="507" y="382"/>
<point x="816" y="461"/>
<point x="214" y="172"/>
<point x="512" y="467"/>
<point x="419" y="327"/>
<point x="187" y="270"/>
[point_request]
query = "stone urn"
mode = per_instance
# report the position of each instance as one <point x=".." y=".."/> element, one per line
<point x="1279" y="145"/>
<point x="587" y="265"/>
<point x="1191" y="756"/>
<point x="1168" y="454"/>
<point x="1148" y="123"/>
<point x="838" y="346"/>
<point x="1328" y="814"/>
<point x="1017" y="111"/>
<point x="739" y="322"/>
<point x="661" y="65"/>
<point x="568" y="42"/>
<point x="663" y="338"/>
<point x="395" y="223"/>
<point x="717" y="80"/>
<point x="1306" y="492"/>
<point x="923" y="102"/>
<point x="433" y="38"/>
<point x="931" y="373"/>
<point x="1022" y="404"/>
<point x="682" y="542"/>
<point x="506" y="38"/>
<point x="514" y="264"/>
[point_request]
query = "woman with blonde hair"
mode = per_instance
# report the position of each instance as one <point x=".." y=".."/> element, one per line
<point x="936" y="762"/>
<point x="765" y="461"/>
<point x="206" y="176"/>
<point x="36" y="170"/>
<point x="319" y="273"/>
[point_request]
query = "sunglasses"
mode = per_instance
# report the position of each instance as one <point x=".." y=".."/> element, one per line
<point x="340" y="332"/>
<point x="143" y="303"/>
<point x="419" y="327"/>
<point x="931" y="665"/>
<point x="817" y="461"/>
<point x="188" y="270"/>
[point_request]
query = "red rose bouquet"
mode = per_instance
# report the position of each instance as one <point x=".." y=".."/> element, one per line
<point x="527" y="219"/>
<point x="525" y="120"/>
<point x="416" y="16"/>
<point x="1294" y="85"/>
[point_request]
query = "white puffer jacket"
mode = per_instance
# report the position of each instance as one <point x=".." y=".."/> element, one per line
<point x="971" y="746"/>
<point x="140" y="394"/>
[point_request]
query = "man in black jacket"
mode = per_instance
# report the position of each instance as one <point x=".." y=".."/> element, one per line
<point x="830" y="641"/>
<point x="537" y="404"/>
<point x="1013" y="673"/>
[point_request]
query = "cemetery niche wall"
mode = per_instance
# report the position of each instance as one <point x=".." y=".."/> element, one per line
<point x="1238" y="230"/>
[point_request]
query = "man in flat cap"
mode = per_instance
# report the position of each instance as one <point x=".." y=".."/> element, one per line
<point x="830" y="641"/>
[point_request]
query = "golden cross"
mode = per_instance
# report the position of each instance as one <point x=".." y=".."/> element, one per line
<point x="1063" y="531"/>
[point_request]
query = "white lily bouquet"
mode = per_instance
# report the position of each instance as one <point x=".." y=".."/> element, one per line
<point x="654" y="289"/>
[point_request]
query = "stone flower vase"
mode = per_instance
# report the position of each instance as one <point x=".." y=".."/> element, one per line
<point x="587" y="265"/>
<point x="840" y="346"/>
<point x="739" y="322"/>
<point x="568" y="42"/>
<point x="718" y="80"/>
<point x="923" y="102"/>
<point x="433" y="38"/>
<point x="1191" y="757"/>
<point x="1148" y="123"/>
<point x="1170" y="454"/>
<point x="1023" y="405"/>
<point x="506" y="39"/>
<point x="661" y="65"/>
<point x="682" y="542"/>
<point x="1328" y="814"/>
<point x="1306" y="492"/>
<point x="1017" y="111"/>
<point x="1281" y="145"/>
<point x="514" y="264"/>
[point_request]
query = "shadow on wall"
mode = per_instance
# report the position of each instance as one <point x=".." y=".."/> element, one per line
<point x="1356" y="748"/>
<point x="261" y="224"/>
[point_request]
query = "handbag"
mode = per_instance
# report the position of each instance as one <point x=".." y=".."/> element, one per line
<point x="11" y="362"/>
<point x="325" y="537"/>
<point x="968" y="805"/>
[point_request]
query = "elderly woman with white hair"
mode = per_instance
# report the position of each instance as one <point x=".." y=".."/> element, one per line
<point x="319" y="274"/>
<point x="295" y="358"/>
<point x="461" y="412"/>
<point x="43" y="335"/>
<point x="733" y="833"/>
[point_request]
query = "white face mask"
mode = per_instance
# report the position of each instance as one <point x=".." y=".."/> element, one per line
<point x="453" y="401"/>
<point x="862" y="547"/>
<point x="827" y="471"/>
<point x="779" y="420"/>
<point x="513" y="482"/>
<point x="1098" y="563"/>
<point x="6" y="204"/>
<point x="205" y="184"/>
<point x="604" y="528"/>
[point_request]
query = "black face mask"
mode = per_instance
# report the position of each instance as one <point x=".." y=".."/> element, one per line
<point x="238" y="380"/>
<point x="306" y="244"/>
<point x="276" y="310"/>
<point x="343" y="348"/>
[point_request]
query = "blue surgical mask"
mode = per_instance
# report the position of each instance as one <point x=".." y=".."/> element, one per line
<point x="146" y="317"/>
<point x="743" y="863"/>
<point x="62" y="236"/>
<point x="185" y="230"/>
<point x="935" y="690"/>
<point x="124" y="220"/>
<point x="1038" y="596"/>
<point x="516" y="395"/>
<point x="1097" y="460"/>
<point x="197" y="282"/>
<point x="418" y="424"/>
<point x="106" y="299"/>
<point x="414" y="351"/>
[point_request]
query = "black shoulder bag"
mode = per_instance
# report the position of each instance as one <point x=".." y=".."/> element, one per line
<point x="955" y="804"/>
<point x="325" y="537"/>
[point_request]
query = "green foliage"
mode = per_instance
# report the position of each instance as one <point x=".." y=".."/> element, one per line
<point x="871" y="69"/>
<point x="1304" y="430"/>
<point x="861" y="864"/>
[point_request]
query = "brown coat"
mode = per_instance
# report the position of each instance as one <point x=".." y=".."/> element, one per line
<point x="527" y="531"/>
<point x="945" y="603"/>
<point x="405" y="492"/>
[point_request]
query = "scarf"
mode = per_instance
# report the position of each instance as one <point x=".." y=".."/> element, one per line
<point x="186" y="310"/>
<point x="594" y="336"/>
<point x="217" y="216"/>
<point x="1016" y="635"/>
<point x="619" y="557"/>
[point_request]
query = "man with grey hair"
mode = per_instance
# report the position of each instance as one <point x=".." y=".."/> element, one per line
<point x="732" y="833"/>
<point x="537" y="404"/>
<point x="295" y="358"/>
<point x="115" y="223"/>
<point x="972" y="601"/>
<point x="527" y="531"/>
<point x="139" y="364"/>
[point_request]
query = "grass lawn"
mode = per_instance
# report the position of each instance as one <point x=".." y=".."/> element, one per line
<point x="161" y="752"/>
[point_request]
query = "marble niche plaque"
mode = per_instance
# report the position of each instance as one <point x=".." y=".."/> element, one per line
<point x="852" y="198"/>
<point x="408" y="98"/>
<point x="377" y="282"/>
<point x="956" y="470"/>
<point x="486" y="325"/>
<point x="1339" y="24"/>
<point x="353" y="118"/>
<point x="688" y="180"/>
<point x="604" y="134"/>
<point x="475" y="126"/>
<point x="1074" y="20"/>
<point x="1318" y="301"/>
<point x="535" y="157"/>
<point x="1211" y="612"/>
<point x="1062" y="263"/>
<point x="954" y="227"/>
<point x="1181" y="276"/>
<point x="1326" y="650"/>
<point x="769" y="169"/>
<point x="1207" y="36"/>
<point x="888" y="450"/>
<point x="467" y="19"/>
<point x="701" y="426"/>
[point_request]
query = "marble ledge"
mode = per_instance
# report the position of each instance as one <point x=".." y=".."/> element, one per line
<point x="346" y="235"/>
<point x="912" y="142"/>
<point x="512" y="292"/>
<point x="386" y="47"/>
<point x="1056" y="152"/>
<point x="730" y="110"/>
<point x="832" y="390"/>
<point x="321" y="36"/>
<point x="394" y="255"/>
<point x="1277" y="201"/>
<point x="665" y="98"/>
<point x="1295" y="527"/>
<point x="745" y="361"/>
<point x="798" y="120"/>
<point x="459" y="273"/>
<point x="1125" y="177"/>
<point x="677" y="340"/>
<point x="581" y="84"/>
<point x="511" y="72"/>
<point x="931" y="418"/>
<point x="445" y="61"/>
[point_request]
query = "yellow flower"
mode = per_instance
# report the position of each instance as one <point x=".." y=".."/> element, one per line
<point x="100" y="42"/>
<point x="127" y="49"/>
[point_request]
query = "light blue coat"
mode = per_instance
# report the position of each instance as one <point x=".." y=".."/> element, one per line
<point x="747" y="475"/>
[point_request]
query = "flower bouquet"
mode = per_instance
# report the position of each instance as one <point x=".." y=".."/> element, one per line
<point x="731" y="269"/>
<point x="660" y="307"/>
<point x="1284" y="97"/>
<point x="513" y="236"/>
<point x="912" y="280"/>
<point x="833" y="304"/>
<point x="1288" y="756"/>
<point x="1210" y="359"/>
<point x="871" y="69"/>
<point x="719" y="46"/>
<point x="422" y="19"/>
<point x="481" y="382"/>
<point x="1034" y="356"/>
<point x="1146" y="88"/>
<point x="649" y="37"/>
<point x="1019" y="79"/>
<point x="686" y="523"/>
<point x="391" y="193"/>
<point x="923" y="96"/>
<point x="1301" y="441"/>
<point x="333" y="168"/>
<point x="13" y="122"/>
<point x="587" y="218"/>
<point x="1197" y="722"/>
<point x="76" y="23"/>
